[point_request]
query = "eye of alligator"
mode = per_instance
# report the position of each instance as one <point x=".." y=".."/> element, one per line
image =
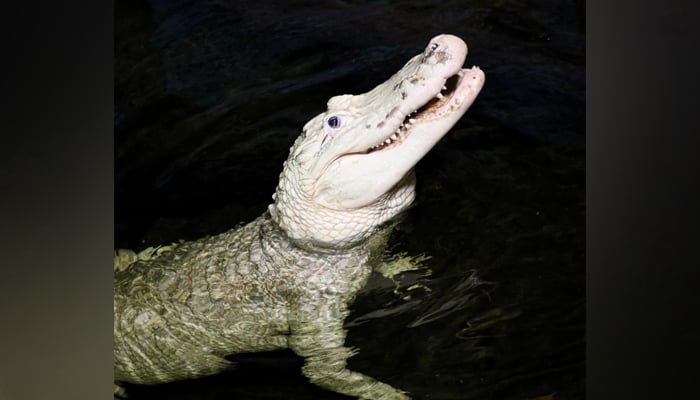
<point x="333" y="122"/>
<point x="426" y="111"/>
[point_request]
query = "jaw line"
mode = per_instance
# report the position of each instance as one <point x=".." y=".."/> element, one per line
<point x="435" y="107"/>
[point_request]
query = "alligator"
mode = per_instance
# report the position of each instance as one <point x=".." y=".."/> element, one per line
<point x="287" y="279"/>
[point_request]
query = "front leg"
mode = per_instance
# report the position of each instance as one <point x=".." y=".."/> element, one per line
<point x="400" y="263"/>
<point x="317" y="334"/>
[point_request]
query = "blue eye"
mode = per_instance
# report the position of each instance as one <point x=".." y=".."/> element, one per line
<point x="333" y="122"/>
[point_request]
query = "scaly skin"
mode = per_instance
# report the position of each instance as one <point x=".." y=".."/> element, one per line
<point x="286" y="279"/>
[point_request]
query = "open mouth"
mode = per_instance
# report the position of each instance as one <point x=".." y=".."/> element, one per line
<point x="438" y="106"/>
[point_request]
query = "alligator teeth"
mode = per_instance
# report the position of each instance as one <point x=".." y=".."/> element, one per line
<point x="400" y="132"/>
<point x="439" y="96"/>
<point x="444" y="87"/>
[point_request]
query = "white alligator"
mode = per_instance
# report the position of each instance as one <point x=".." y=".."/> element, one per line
<point x="286" y="280"/>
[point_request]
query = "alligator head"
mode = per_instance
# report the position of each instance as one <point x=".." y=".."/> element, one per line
<point x="351" y="169"/>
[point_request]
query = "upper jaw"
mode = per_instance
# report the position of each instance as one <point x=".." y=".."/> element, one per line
<point x="455" y="95"/>
<point x="425" y="78"/>
<point x="385" y="114"/>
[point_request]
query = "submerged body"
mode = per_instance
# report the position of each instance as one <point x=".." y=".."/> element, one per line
<point x="286" y="279"/>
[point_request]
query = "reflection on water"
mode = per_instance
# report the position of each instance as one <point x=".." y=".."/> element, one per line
<point x="210" y="95"/>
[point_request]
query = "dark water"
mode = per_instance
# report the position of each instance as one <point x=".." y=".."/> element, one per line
<point x="210" y="96"/>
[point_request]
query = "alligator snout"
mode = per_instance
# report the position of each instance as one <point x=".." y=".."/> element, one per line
<point x="442" y="48"/>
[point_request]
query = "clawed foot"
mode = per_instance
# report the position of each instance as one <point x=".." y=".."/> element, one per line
<point x="401" y="263"/>
<point x="123" y="258"/>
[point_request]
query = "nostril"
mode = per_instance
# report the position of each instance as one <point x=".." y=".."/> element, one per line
<point x="431" y="49"/>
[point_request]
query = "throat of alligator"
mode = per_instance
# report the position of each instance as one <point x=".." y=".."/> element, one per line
<point x="434" y="108"/>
